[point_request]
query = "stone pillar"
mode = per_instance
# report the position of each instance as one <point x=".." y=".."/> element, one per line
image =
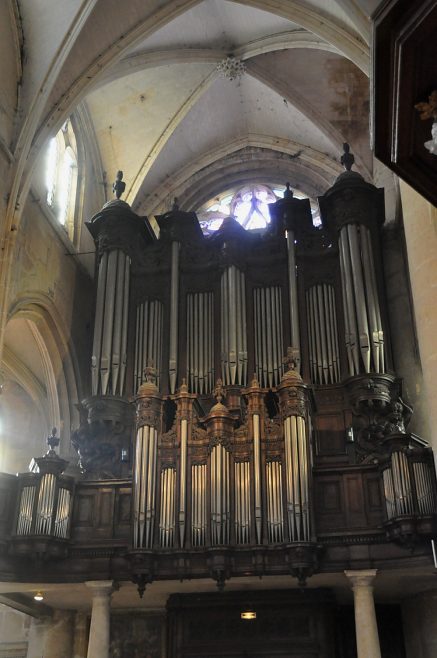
<point x="36" y="639"/>
<point x="59" y="635"/>
<point x="80" y="647"/>
<point x="366" y="629"/>
<point x="98" y="645"/>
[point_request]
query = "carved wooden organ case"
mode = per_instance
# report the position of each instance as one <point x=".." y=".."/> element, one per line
<point x="268" y="416"/>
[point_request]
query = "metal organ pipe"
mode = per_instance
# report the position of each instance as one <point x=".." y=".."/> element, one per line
<point x="323" y="339"/>
<point x="167" y="508"/>
<point x="198" y="505"/>
<point x="200" y="342"/>
<point x="364" y="333"/>
<point x="275" y="511"/>
<point x="233" y="327"/>
<point x="144" y="486"/>
<point x="257" y="472"/>
<point x="183" y="480"/>
<point x="220" y="495"/>
<point x="148" y="340"/>
<point x="45" y="505"/>
<point x="108" y="363"/>
<point x="148" y="406"/>
<point x="242" y="514"/>
<point x="174" y="305"/>
<point x="292" y="290"/>
<point x="268" y="335"/>
<point x="25" y="513"/>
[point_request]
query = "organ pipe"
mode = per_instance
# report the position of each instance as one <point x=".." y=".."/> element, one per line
<point x="183" y="479"/>
<point x="268" y="335"/>
<point x="200" y="342"/>
<point x="174" y="316"/>
<point x="242" y="514"/>
<point x="233" y="327"/>
<point x="322" y="334"/>
<point x="148" y="403"/>
<point x="62" y="517"/>
<point x="255" y="410"/>
<point x="198" y="505"/>
<point x="144" y="486"/>
<point x="364" y="334"/>
<point x="108" y="363"/>
<point x="25" y="510"/>
<point x="148" y="339"/>
<point x="45" y="504"/>
<point x="292" y="290"/>
<point x="297" y="466"/>
<point x="220" y="495"/>
<point x="275" y="513"/>
<point x="167" y="508"/>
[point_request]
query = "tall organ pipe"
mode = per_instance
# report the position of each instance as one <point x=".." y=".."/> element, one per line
<point x="292" y="289"/>
<point x="174" y="318"/>
<point x="364" y="333"/>
<point x="148" y="403"/>
<point x="148" y="340"/>
<point x="294" y="412"/>
<point x="108" y="363"/>
<point x="255" y="413"/>
<point x="322" y="330"/>
<point x="233" y="327"/>
<point x="200" y="341"/>
<point x="268" y="335"/>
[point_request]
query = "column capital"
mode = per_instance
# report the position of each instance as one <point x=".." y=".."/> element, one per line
<point x="100" y="587"/>
<point x="361" y="578"/>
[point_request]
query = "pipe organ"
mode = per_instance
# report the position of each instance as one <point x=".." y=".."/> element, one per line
<point x="292" y="320"/>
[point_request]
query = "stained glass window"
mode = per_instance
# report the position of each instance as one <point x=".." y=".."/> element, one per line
<point x="249" y="205"/>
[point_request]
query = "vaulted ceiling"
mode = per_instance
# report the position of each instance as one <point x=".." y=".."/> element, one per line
<point x="145" y="74"/>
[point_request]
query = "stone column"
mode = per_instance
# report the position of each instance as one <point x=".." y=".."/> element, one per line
<point x="80" y="647"/>
<point x="36" y="639"/>
<point x="366" y="629"/>
<point x="98" y="645"/>
<point x="59" y="635"/>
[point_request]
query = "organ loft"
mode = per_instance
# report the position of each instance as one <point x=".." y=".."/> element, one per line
<point x="243" y="420"/>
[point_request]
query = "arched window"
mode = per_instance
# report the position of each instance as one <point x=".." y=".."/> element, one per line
<point x="249" y="206"/>
<point x="61" y="177"/>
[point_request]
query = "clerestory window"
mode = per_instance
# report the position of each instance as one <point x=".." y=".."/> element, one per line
<point x="62" y="176"/>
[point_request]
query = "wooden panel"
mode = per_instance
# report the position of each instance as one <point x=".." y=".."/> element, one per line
<point x="374" y="498"/>
<point x="84" y="510"/>
<point x="355" y="512"/>
<point x="330" y="434"/>
<point x="348" y="500"/>
<point x="286" y="626"/>
<point x="106" y="508"/>
<point x="329" y="503"/>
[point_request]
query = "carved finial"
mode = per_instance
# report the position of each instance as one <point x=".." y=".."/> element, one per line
<point x="150" y="372"/>
<point x="183" y="387"/>
<point x="292" y="360"/>
<point x="347" y="159"/>
<point x="119" y="186"/>
<point x="175" y="205"/>
<point x="254" y="383"/>
<point x="288" y="193"/>
<point x="53" y="440"/>
<point x="219" y="391"/>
